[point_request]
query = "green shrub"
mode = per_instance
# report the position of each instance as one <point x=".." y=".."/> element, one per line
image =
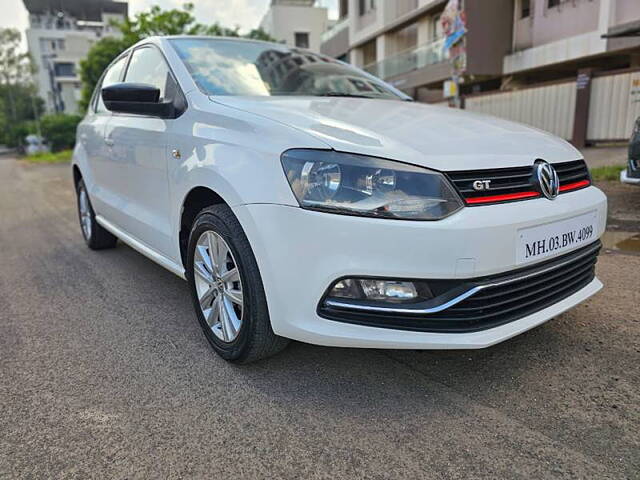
<point x="609" y="172"/>
<point x="60" y="130"/>
<point x="59" y="157"/>
<point x="13" y="134"/>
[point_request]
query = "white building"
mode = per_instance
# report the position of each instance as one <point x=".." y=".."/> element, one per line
<point x="60" y="34"/>
<point x="298" y="23"/>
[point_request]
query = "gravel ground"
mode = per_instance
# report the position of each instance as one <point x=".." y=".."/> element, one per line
<point x="605" y="156"/>
<point x="624" y="206"/>
<point x="105" y="374"/>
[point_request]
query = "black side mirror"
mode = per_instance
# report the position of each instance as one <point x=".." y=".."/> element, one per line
<point x="137" y="98"/>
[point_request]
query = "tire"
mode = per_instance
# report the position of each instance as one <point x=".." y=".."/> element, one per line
<point x="95" y="236"/>
<point x="229" y="300"/>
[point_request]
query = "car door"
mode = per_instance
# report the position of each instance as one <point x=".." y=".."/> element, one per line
<point x="91" y="134"/>
<point x="138" y="158"/>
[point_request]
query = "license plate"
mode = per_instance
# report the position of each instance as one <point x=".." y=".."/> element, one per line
<point x="535" y="243"/>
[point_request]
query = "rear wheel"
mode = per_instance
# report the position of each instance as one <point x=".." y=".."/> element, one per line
<point x="95" y="236"/>
<point x="227" y="289"/>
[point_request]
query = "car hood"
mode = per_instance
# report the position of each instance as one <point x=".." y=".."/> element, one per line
<point x="431" y="136"/>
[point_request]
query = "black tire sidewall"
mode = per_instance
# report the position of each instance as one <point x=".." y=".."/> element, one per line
<point x="209" y="221"/>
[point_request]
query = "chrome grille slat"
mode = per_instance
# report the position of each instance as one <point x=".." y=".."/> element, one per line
<point x="517" y="286"/>
<point x="486" y="316"/>
<point x="529" y="291"/>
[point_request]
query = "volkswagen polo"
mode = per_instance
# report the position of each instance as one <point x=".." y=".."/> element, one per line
<point x="302" y="198"/>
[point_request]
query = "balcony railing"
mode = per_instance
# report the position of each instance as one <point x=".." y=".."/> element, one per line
<point x="336" y="29"/>
<point x="409" y="60"/>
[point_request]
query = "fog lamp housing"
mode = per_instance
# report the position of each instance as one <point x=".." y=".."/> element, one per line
<point x="380" y="290"/>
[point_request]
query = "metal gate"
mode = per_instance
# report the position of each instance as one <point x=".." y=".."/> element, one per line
<point x="614" y="106"/>
<point x="550" y="107"/>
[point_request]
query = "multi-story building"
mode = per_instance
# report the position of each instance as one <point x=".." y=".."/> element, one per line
<point x="402" y="41"/>
<point x="297" y="23"/>
<point x="556" y="38"/>
<point x="509" y="43"/>
<point x="60" y="34"/>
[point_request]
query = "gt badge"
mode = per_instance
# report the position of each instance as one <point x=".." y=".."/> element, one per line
<point x="480" y="185"/>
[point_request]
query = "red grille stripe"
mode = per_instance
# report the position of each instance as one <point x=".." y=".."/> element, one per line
<point x="502" y="198"/>
<point x="574" y="185"/>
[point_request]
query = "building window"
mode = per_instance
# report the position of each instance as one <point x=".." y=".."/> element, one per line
<point x="369" y="53"/>
<point x="302" y="39"/>
<point x="525" y="8"/>
<point x="406" y="38"/>
<point x="343" y="9"/>
<point x="366" y="6"/>
<point x="66" y="69"/>
<point x="437" y="31"/>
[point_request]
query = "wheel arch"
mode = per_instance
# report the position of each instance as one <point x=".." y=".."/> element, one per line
<point x="197" y="199"/>
<point x="77" y="174"/>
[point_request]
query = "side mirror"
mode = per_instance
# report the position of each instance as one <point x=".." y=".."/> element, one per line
<point x="137" y="98"/>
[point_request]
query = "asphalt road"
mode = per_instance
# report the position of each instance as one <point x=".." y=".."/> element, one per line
<point x="106" y="374"/>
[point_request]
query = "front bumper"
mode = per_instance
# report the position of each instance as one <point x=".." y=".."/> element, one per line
<point x="626" y="178"/>
<point x="300" y="253"/>
<point x="631" y="174"/>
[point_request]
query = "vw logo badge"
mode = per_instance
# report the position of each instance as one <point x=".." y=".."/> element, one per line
<point x="547" y="179"/>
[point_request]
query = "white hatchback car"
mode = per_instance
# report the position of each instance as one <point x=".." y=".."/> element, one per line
<point x="304" y="199"/>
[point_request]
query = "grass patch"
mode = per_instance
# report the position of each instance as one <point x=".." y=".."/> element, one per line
<point x="610" y="172"/>
<point x="62" y="156"/>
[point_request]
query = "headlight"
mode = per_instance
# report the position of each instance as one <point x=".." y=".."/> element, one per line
<point x="368" y="186"/>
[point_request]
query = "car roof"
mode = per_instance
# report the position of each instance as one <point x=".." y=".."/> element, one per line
<point x="160" y="38"/>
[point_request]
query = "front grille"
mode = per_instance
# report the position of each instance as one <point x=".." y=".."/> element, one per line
<point x="512" y="184"/>
<point x="499" y="300"/>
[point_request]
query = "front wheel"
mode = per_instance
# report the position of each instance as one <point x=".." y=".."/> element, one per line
<point x="227" y="289"/>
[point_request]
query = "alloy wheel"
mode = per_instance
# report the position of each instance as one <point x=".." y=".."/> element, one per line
<point x="85" y="213"/>
<point x="218" y="286"/>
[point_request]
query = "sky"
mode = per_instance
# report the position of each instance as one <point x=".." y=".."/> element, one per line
<point x="243" y="13"/>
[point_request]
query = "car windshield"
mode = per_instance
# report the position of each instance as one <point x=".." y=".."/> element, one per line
<point x="228" y="67"/>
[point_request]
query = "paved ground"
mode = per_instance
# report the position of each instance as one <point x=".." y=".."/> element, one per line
<point x="603" y="156"/>
<point x="105" y="374"/>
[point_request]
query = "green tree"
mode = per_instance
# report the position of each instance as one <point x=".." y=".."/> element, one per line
<point x="19" y="103"/>
<point x="160" y="22"/>
<point x="145" y="24"/>
<point x="20" y="107"/>
<point x="100" y="56"/>
<point x="260" y="34"/>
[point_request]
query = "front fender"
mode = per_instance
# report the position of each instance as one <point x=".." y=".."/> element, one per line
<point x="80" y="160"/>
<point x="232" y="152"/>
